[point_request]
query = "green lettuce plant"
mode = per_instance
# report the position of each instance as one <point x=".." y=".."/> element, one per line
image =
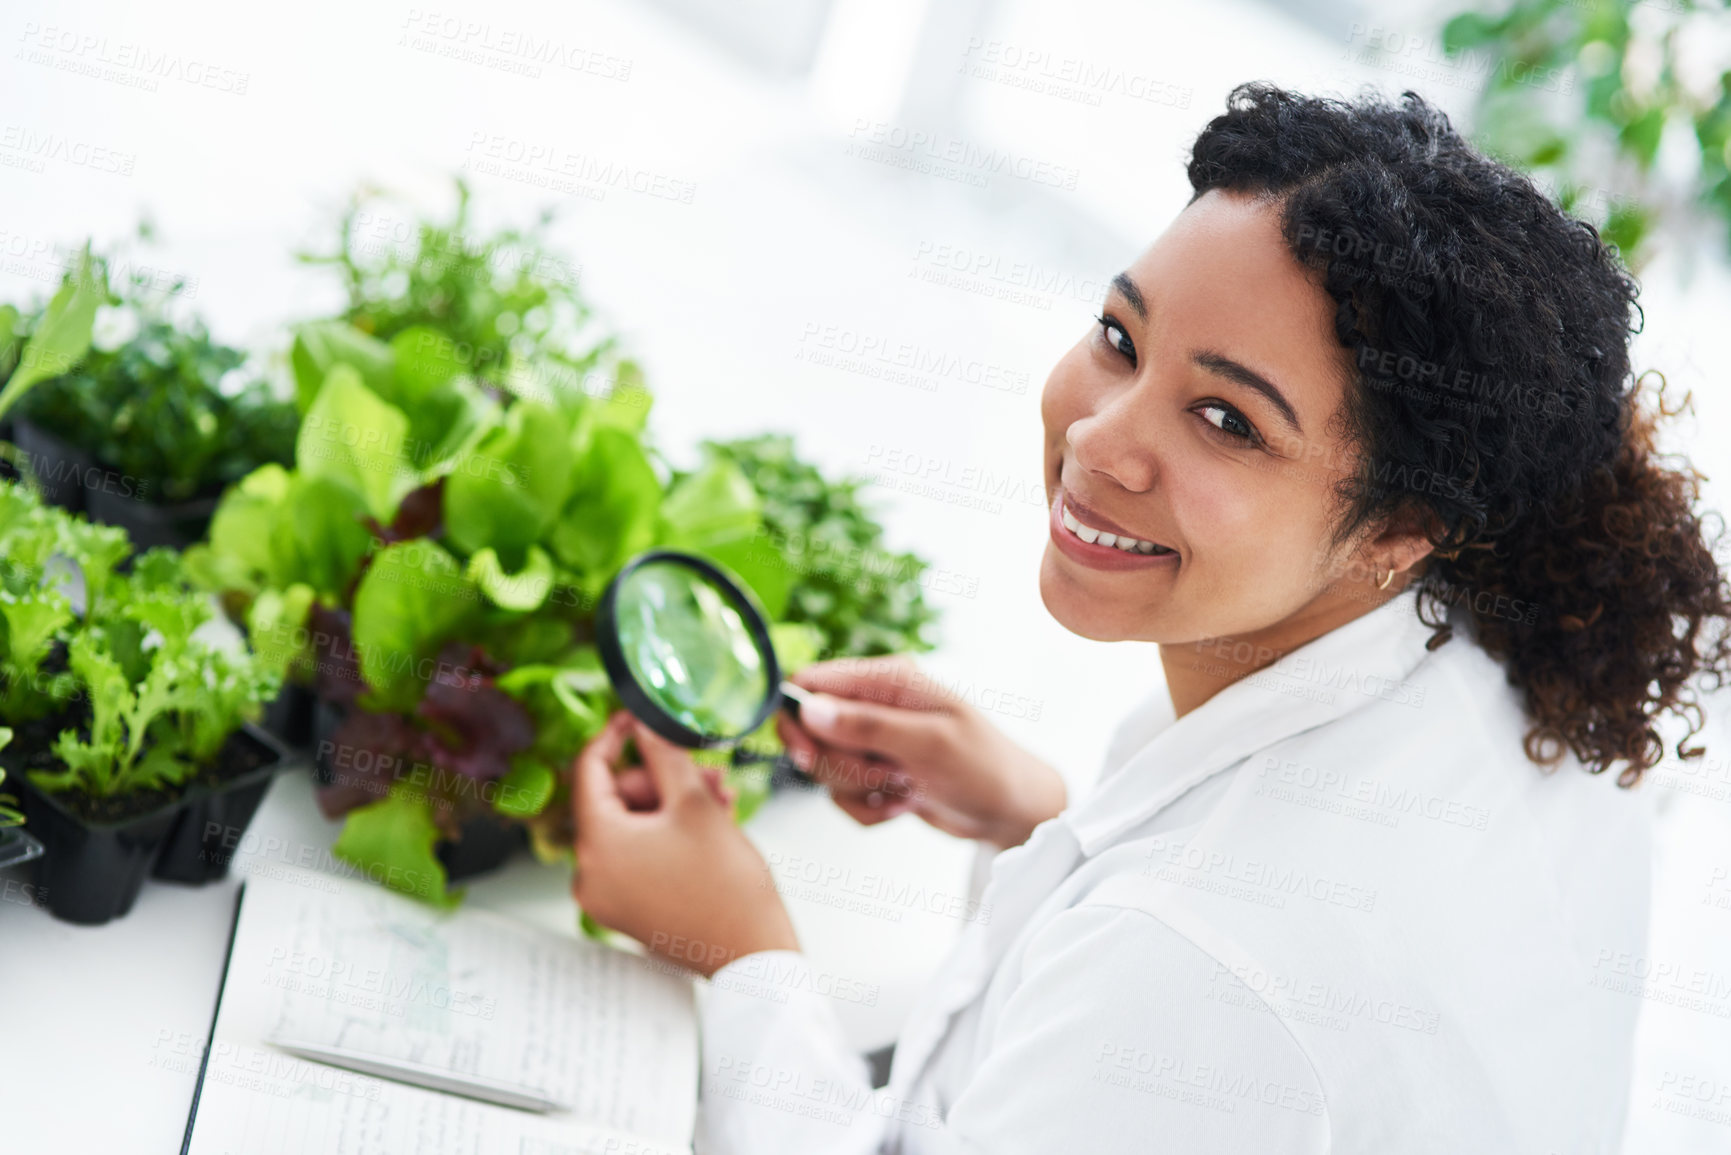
<point x="58" y="339"/>
<point x="161" y="408"/>
<point x="862" y="597"/>
<point x="145" y="694"/>
<point x="501" y="298"/>
<point x="436" y="556"/>
<point x="10" y="815"/>
<point x="471" y="470"/>
<point x="40" y="548"/>
<point x="158" y="409"/>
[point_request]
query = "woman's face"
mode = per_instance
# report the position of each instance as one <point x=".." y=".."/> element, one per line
<point x="1199" y="417"/>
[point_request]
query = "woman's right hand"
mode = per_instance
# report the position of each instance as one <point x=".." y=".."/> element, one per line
<point x="885" y="739"/>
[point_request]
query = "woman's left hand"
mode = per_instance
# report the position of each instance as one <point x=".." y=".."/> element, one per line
<point x="660" y="858"/>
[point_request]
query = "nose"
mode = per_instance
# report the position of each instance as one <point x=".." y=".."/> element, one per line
<point x="1114" y="443"/>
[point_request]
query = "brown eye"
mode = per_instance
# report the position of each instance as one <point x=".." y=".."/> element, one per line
<point x="1229" y="421"/>
<point x="1117" y="337"/>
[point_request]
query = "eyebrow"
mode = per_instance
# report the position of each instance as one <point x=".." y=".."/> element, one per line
<point x="1216" y="363"/>
<point x="1126" y="286"/>
<point x="1222" y="366"/>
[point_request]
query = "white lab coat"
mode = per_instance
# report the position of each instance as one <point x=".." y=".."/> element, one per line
<point x="1332" y="909"/>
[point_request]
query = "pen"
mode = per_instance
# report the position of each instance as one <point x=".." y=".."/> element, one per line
<point x="417" y="1075"/>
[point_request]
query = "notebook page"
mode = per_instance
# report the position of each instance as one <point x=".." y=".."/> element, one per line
<point x="340" y="962"/>
<point x="262" y="1102"/>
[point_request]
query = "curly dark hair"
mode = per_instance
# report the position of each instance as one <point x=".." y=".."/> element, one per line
<point x="1494" y="406"/>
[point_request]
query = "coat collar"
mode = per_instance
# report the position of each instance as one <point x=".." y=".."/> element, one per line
<point x="1354" y="664"/>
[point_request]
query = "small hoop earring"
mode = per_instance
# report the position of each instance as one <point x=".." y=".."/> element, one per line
<point x="1383" y="584"/>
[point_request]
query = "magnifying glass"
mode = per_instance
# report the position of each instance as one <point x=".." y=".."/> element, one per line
<point x="687" y="649"/>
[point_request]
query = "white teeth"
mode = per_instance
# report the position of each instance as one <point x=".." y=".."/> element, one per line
<point x="1116" y="540"/>
<point x="1086" y="533"/>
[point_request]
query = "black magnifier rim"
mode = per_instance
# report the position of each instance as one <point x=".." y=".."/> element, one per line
<point x="634" y="697"/>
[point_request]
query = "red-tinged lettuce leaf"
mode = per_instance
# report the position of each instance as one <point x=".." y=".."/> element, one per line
<point x="368" y="755"/>
<point x="336" y="670"/>
<point x="476" y="727"/>
<point x="411" y="600"/>
<point x="465" y="731"/>
<point x="421" y="514"/>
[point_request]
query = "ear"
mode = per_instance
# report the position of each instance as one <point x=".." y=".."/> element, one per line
<point x="1404" y="541"/>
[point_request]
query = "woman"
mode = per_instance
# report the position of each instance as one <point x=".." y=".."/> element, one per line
<point x="1356" y="443"/>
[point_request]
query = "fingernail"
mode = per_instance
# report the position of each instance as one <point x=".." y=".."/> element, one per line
<point x="819" y="712"/>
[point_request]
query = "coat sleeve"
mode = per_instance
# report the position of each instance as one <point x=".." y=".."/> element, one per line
<point x="778" y="1074"/>
<point x="1117" y="1035"/>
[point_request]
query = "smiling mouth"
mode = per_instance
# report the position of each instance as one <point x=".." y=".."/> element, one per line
<point x="1118" y="541"/>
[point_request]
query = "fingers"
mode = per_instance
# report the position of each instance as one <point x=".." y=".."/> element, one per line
<point x="799" y="744"/>
<point x="891" y="680"/>
<point x="675" y="775"/>
<point x="891" y="793"/>
<point x="668" y="772"/>
<point x="894" y="732"/>
<point x="870" y="792"/>
<point x="861" y="808"/>
<point x="848" y="774"/>
<point x="594" y="794"/>
<point x="712" y="780"/>
<point x="636" y="788"/>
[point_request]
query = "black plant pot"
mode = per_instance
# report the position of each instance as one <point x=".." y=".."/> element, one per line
<point x="113" y="499"/>
<point x="488" y="841"/>
<point x="17" y="847"/>
<point x="90" y="872"/>
<point x="60" y="469"/>
<point x="203" y="841"/>
<point x="327" y="719"/>
<point x="289" y="716"/>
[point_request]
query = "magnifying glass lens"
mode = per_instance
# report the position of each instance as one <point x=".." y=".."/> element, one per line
<point x="691" y="650"/>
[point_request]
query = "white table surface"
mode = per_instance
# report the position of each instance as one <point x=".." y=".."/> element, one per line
<point x="102" y="1028"/>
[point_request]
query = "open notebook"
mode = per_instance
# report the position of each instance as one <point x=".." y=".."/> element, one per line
<point x="457" y="999"/>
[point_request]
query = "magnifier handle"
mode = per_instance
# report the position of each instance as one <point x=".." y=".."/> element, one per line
<point x="793" y="697"/>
